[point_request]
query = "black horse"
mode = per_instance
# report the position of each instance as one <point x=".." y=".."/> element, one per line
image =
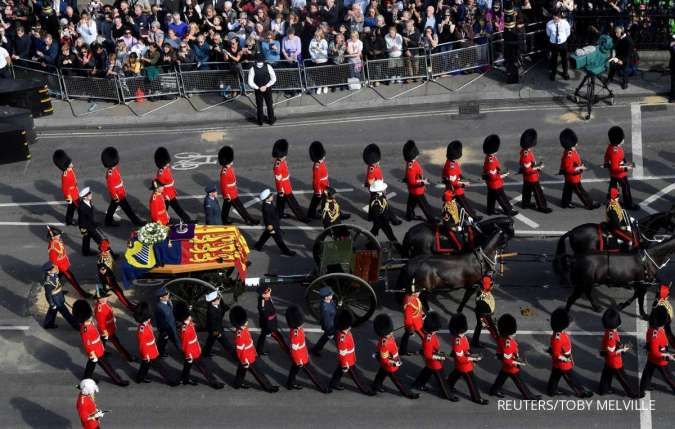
<point x="636" y="270"/>
<point x="421" y="238"/>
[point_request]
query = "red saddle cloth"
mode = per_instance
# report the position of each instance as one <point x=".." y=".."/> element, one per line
<point x="609" y="242"/>
<point x="446" y="241"/>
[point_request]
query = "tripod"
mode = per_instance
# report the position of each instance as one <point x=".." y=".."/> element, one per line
<point x="591" y="98"/>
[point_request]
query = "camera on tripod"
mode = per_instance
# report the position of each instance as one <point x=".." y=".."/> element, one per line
<point x="593" y="61"/>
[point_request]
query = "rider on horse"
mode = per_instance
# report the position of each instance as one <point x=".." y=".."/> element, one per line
<point x="456" y="226"/>
<point x="619" y="222"/>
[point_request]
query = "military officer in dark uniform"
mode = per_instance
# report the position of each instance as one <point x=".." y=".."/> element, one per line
<point x="87" y="222"/>
<point x="165" y="321"/>
<point x="214" y="325"/>
<point x="272" y="225"/>
<point x="212" y="214"/>
<point x="619" y="222"/>
<point x="267" y="319"/>
<point x="331" y="213"/>
<point x="381" y="214"/>
<point x="55" y="298"/>
<point x="327" y="308"/>
<point x="261" y="78"/>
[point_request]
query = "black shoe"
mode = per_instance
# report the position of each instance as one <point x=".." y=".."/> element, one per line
<point x="566" y="76"/>
<point x="527" y="206"/>
<point x="144" y="380"/>
<point x="112" y="223"/>
<point x="217" y="385"/>
<point x="379" y="389"/>
<point x="173" y="383"/>
<point x="532" y="398"/>
<point x="482" y="402"/>
<point x="289" y="253"/>
<point x="497" y="394"/>
<point x="189" y="382"/>
<point x="513" y="213"/>
<point x="293" y="387"/>
<point x="272" y="121"/>
<point x="123" y="383"/>
<point x="253" y="222"/>
<point x="413" y="396"/>
<point x="257" y="248"/>
<point x="52" y="326"/>
<point x="624" y="85"/>
<point x="396" y="221"/>
<point x="337" y="387"/>
<point x="545" y="210"/>
<point x="273" y="389"/>
<point x="260" y="122"/>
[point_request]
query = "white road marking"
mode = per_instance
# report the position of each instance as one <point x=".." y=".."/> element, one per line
<point x="255" y="194"/>
<point x="644" y="205"/>
<point x="390" y="195"/>
<point x="589" y="180"/>
<point x="525" y="233"/>
<point x="34" y="203"/>
<point x="641" y="328"/>
<point x="249" y="203"/>
<point x="636" y="139"/>
<point x="14" y="327"/>
<point x="524" y="219"/>
<point x="32" y="224"/>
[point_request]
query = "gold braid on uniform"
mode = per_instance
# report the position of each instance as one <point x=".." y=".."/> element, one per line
<point x="106" y="260"/>
<point x="332" y="211"/>
<point x="667" y="305"/>
<point x="487" y="298"/>
<point x="616" y="208"/>
<point x="381" y="202"/>
<point x="450" y="211"/>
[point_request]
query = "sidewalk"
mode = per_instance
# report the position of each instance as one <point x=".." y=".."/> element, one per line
<point x="488" y="89"/>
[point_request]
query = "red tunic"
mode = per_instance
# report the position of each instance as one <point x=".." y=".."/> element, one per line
<point x="58" y="255"/>
<point x="91" y="340"/>
<point x="189" y="341"/>
<point x="282" y="180"/>
<point x="69" y="185"/>
<point x="610" y="343"/>
<point x="430" y="347"/>
<point x="657" y="344"/>
<point x="105" y="319"/>
<point x="570" y="160"/>
<point x="320" y="177"/>
<point x="615" y="159"/>
<point x="414" y="177"/>
<point x="373" y="173"/>
<point x="508" y="349"/>
<point x="245" y="350"/>
<point x="86" y="408"/>
<point x="115" y="184"/>
<point x="460" y="347"/>
<point x="492" y="172"/>
<point x="346" y="349"/>
<point x="452" y="174"/>
<point x="413" y="316"/>
<point x="158" y="211"/>
<point x="147" y="347"/>
<point x="388" y="354"/>
<point x="527" y="162"/>
<point x="299" y="353"/>
<point x="228" y="183"/>
<point x="561" y="346"/>
<point x="164" y="175"/>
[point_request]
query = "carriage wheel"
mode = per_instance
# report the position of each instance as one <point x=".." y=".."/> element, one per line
<point x="351" y="292"/>
<point x="192" y="292"/>
<point x="361" y="239"/>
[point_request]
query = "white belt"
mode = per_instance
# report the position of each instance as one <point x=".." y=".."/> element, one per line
<point x="297" y="347"/>
<point x="150" y="343"/>
<point x="346" y="352"/>
<point x="193" y="341"/>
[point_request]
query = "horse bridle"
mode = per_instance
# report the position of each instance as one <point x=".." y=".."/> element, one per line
<point x="649" y="257"/>
<point x="482" y="257"/>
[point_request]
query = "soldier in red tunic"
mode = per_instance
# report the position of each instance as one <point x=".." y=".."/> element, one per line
<point x="158" y="211"/>
<point x="464" y="360"/>
<point x="110" y="159"/>
<point x="414" y="178"/>
<point x="228" y="187"/>
<point x="531" y="171"/>
<point x="494" y="178"/>
<point x="299" y="351"/>
<point x="346" y="357"/>
<point x="372" y="156"/>
<point x="612" y="348"/>
<point x="164" y="175"/>
<point x="86" y="405"/>
<point x="413" y="317"/>
<point x="320" y="182"/>
<point x="92" y="344"/>
<point x="615" y="161"/>
<point x="68" y="183"/>
<point x="658" y="356"/>
<point x="147" y="347"/>
<point x="59" y="257"/>
<point x="282" y="181"/>
<point x="507" y="352"/>
<point x="387" y="356"/>
<point x="106" y="323"/>
<point x="106" y="273"/>
<point x="246" y="354"/>
<point x="433" y="358"/>
<point x="561" y="356"/>
<point x="485" y="310"/>
<point x="572" y="167"/>
<point x="192" y="351"/>
<point x="453" y="180"/>
<point x="662" y="300"/>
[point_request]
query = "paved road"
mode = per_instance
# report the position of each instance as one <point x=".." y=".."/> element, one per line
<point x="39" y="368"/>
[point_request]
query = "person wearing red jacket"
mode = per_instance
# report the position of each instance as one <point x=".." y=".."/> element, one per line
<point x="611" y="350"/>
<point x="110" y="159"/>
<point x="282" y="182"/>
<point x="463" y="358"/>
<point x="299" y="351"/>
<point x="494" y="178"/>
<point x="619" y="223"/>
<point x="107" y="324"/>
<point x="92" y="344"/>
<point x="561" y="357"/>
<point x="413" y="317"/>
<point x="229" y="190"/>
<point x="86" y="405"/>
<point x="246" y="353"/>
<point x="453" y="180"/>
<point x="388" y="357"/>
<point x="59" y="257"/>
<point x="658" y="356"/>
<point x="157" y="204"/>
<point x="164" y="176"/>
<point x="417" y="183"/>
<point x="147" y="347"/>
<point x="531" y="171"/>
<point x="433" y="358"/>
<point x="662" y="299"/>
<point x="346" y="354"/>
<point x="615" y="162"/>
<point x="572" y="167"/>
<point x="320" y="182"/>
<point x="372" y="157"/>
<point x="485" y="310"/>
<point x="106" y="273"/>
<point x="507" y="353"/>
<point x="68" y="183"/>
<point x="192" y="351"/>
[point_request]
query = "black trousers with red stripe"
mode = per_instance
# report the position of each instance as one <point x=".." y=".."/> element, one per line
<point x="464" y="202"/>
<point x="379" y="380"/>
<point x="74" y="283"/>
<point x="278" y="337"/>
<point x="107" y="368"/>
<point x="187" y="367"/>
<point x="501" y="379"/>
<point x="606" y="381"/>
<point x="293" y="373"/>
<point x="239" y="207"/>
<point x="578" y="189"/>
<point x="355" y="374"/>
<point x="127" y="210"/>
<point x="554" y="380"/>
<point x="530" y="189"/>
<point x="157" y="364"/>
<point x="498" y="196"/>
<point x="487" y="321"/>
<point x="403" y="345"/>
<point x="648" y="373"/>
<point x="293" y="204"/>
<point x="257" y="374"/>
<point x="470" y="380"/>
<point x="424" y="376"/>
<point x="118" y="345"/>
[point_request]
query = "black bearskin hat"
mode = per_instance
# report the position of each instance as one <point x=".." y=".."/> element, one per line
<point x="142" y="312"/>
<point x="225" y="155"/>
<point x="294" y="317"/>
<point x="560" y="320"/>
<point x="528" y="139"/>
<point x="410" y="150"/>
<point x="162" y="157"/>
<point x="616" y="135"/>
<point x="82" y="310"/>
<point x="491" y="144"/>
<point x="507" y="325"/>
<point x="238" y="316"/>
<point x="458" y="324"/>
<point x="372" y="154"/>
<point x="110" y="157"/>
<point x="181" y="311"/>
<point x="432" y="322"/>
<point x="280" y="148"/>
<point x="316" y="151"/>
<point x="383" y="325"/>
<point x="454" y="150"/>
<point x="61" y="159"/>
<point x="659" y="317"/>
<point x="343" y="319"/>
<point x="611" y="318"/>
<point x="53" y="231"/>
<point x="568" y="138"/>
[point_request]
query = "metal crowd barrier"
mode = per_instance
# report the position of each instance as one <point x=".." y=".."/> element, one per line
<point x="78" y="83"/>
<point x="289" y="79"/>
<point x="399" y="70"/>
<point x="330" y="75"/>
<point x="33" y="70"/>
<point x="210" y="78"/>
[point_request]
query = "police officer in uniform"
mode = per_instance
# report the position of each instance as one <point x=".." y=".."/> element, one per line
<point x="531" y="170"/>
<point x="572" y="167"/>
<point x="615" y="161"/>
<point x="261" y="78"/>
<point x="68" y="183"/>
<point x="272" y="225"/>
<point x="110" y="159"/>
<point x="55" y="298"/>
<point x="165" y="177"/>
<point x="561" y="356"/>
<point x="453" y="180"/>
<point x="612" y="349"/>
<point x="494" y="178"/>
<point x="228" y="187"/>
<point x="381" y="214"/>
<point x="414" y="178"/>
<point x="282" y="182"/>
<point x="87" y="222"/>
<point x="214" y="324"/>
